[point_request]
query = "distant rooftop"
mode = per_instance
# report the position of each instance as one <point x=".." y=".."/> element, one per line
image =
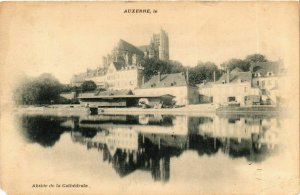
<point x="100" y="93"/>
<point x="236" y="69"/>
<point x="120" y="66"/>
<point x="111" y="94"/>
<point x="236" y="77"/>
<point x="166" y="80"/>
<point x="263" y="68"/>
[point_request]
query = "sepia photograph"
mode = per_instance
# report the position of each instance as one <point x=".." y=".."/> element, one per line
<point x="149" y="97"/>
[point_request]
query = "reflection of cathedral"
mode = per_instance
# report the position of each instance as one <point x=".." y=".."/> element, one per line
<point x="148" y="143"/>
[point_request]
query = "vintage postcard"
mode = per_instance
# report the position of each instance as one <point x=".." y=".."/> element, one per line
<point x="149" y="98"/>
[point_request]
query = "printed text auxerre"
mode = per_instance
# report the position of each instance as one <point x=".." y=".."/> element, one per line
<point x="137" y="11"/>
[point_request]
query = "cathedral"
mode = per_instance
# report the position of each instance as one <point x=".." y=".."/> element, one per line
<point x="158" y="47"/>
<point x="125" y="57"/>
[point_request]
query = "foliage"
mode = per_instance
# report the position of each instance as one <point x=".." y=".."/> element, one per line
<point x="254" y="58"/>
<point x="44" y="89"/>
<point x="44" y="130"/>
<point x="203" y="71"/>
<point x="236" y="63"/>
<point x="153" y="66"/>
<point x="244" y="64"/>
<point x="88" y="86"/>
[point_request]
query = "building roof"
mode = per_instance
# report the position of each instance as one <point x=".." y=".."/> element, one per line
<point x="117" y="65"/>
<point x="166" y="80"/>
<point x="121" y="66"/>
<point x="206" y="85"/>
<point x="144" y="48"/>
<point x="125" y="96"/>
<point x="264" y="67"/>
<point x="125" y="46"/>
<point x="113" y="92"/>
<point x="236" y="77"/>
<point x="98" y="93"/>
<point x="116" y="94"/>
<point x="101" y="71"/>
<point x="236" y="69"/>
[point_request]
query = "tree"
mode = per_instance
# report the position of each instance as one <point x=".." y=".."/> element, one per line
<point x="44" y="89"/>
<point x="88" y="86"/>
<point x="44" y="130"/>
<point x="176" y="67"/>
<point x="236" y="63"/>
<point x="254" y="58"/>
<point x="153" y="66"/>
<point x="203" y="71"/>
<point x="245" y="64"/>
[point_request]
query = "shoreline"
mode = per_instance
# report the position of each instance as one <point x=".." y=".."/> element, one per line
<point x="204" y="109"/>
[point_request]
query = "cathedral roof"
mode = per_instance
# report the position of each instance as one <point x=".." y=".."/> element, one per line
<point x="144" y="48"/>
<point x="125" y="46"/>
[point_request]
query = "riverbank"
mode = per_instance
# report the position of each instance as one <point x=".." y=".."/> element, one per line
<point x="77" y="110"/>
<point x="80" y="110"/>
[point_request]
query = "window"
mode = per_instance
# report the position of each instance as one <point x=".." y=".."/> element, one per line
<point x="257" y="83"/>
<point x="231" y="120"/>
<point x="263" y="83"/>
<point x="231" y="99"/>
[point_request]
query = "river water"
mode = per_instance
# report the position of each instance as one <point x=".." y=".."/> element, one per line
<point x="113" y="153"/>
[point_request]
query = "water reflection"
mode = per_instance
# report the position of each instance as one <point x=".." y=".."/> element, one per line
<point x="149" y="142"/>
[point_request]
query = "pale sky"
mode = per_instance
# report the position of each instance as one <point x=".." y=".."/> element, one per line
<point x="67" y="38"/>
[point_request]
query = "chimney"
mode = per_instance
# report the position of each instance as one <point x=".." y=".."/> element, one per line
<point x="251" y="67"/>
<point x="158" y="76"/>
<point x="214" y="76"/>
<point x="187" y="76"/>
<point x="251" y="72"/>
<point x="227" y="75"/>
